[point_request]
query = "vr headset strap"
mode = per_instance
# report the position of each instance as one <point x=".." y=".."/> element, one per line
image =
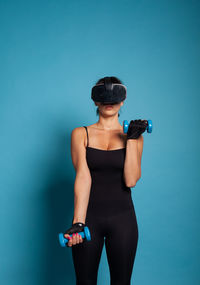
<point x="108" y="83"/>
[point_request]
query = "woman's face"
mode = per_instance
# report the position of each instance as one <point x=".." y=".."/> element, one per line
<point x="109" y="108"/>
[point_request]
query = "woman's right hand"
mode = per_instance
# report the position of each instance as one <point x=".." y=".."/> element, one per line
<point x="74" y="231"/>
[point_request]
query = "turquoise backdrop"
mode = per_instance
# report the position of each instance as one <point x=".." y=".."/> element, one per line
<point x="51" y="54"/>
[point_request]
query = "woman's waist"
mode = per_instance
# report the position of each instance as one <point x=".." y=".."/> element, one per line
<point x="107" y="178"/>
<point x="109" y="206"/>
<point x="109" y="184"/>
<point x="112" y="191"/>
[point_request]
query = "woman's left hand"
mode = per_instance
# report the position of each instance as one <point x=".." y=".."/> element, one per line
<point x="136" y="128"/>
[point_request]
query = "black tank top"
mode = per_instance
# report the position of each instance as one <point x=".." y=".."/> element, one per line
<point x="108" y="195"/>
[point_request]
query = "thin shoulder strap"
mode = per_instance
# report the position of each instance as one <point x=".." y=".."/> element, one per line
<point x="87" y="135"/>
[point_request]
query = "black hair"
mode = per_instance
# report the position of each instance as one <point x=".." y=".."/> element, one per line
<point x="113" y="80"/>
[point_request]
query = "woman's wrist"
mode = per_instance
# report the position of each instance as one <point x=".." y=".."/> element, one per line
<point x="78" y="220"/>
<point x="132" y="142"/>
<point x="132" y="139"/>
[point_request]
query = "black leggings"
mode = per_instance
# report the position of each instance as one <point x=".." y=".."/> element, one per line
<point x="121" y="238"/>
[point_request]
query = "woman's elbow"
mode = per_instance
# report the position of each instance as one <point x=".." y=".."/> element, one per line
<point x="133" y="183"/>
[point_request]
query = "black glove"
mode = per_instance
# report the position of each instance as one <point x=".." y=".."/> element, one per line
<point x="75" y="228"/>
<point x="136" y="128"/>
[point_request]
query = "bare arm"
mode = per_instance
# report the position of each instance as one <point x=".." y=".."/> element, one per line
<point x="83" y="179"/>
<point x="132" y="165"/>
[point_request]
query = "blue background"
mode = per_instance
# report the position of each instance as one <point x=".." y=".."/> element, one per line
<point x="51" y="54"/>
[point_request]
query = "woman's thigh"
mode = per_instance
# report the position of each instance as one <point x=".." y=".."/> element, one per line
<point x="86" y="255"/>
<point x="121" y="245"/>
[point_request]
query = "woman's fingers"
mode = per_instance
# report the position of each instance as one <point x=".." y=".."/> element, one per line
<point x="75" y="239"/>
<point x="66" y="235"/>
<point x="69" y="239"/>
<point x="79" y="238"/>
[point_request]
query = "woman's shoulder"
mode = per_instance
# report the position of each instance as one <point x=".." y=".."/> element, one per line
<point x="79" y="134"/>
<point x="81" y="128"/>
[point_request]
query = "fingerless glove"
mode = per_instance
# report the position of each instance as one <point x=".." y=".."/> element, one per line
<point x="136" y="128"/>
<point x="75" y="228"/>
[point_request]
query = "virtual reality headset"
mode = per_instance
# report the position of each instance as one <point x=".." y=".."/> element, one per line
<point x="108" y="92"/>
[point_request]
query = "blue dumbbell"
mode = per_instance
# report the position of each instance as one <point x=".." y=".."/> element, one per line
<point x="126" y="124"/>
<point x="85" y="234"/>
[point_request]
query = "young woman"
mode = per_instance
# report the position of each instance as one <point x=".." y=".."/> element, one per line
<point x="107" y="164"/>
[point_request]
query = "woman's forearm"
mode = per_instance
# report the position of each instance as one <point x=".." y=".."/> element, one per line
<point x="82" y="187"/>
<point x="132" y="164"/>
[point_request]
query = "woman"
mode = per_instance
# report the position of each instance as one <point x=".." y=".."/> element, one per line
<point x="107" y="164"/>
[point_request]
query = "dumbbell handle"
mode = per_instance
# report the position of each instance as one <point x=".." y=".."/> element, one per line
<point x="126" y="125"/>
<point x="84" y="234"/>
